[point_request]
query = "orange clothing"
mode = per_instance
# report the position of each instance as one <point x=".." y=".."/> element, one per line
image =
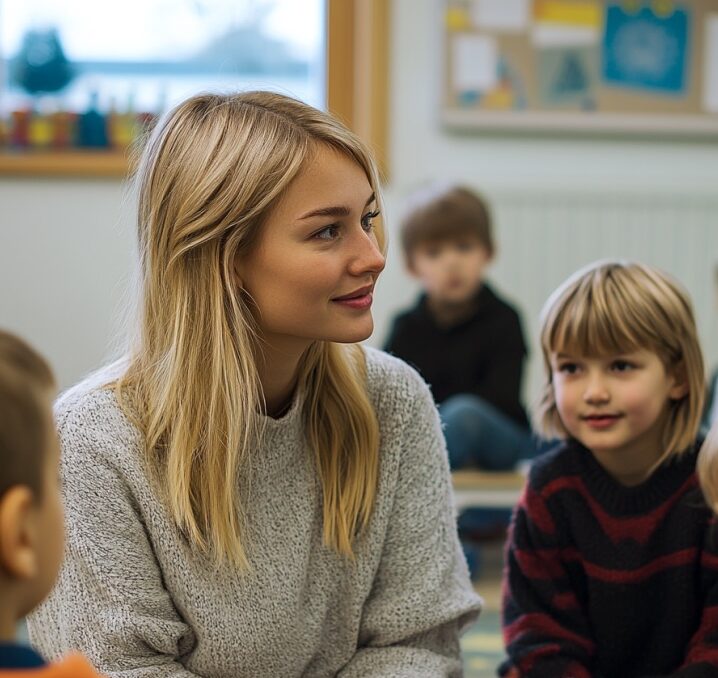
<point x="72" y="666"/>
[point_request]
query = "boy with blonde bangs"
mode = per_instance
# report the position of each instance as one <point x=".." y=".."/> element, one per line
<point x="31" y="516"/>
<point x="612" y="567"/>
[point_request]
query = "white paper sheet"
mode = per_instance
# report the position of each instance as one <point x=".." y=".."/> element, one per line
<point x="475" y="62"/>
<point x="501" y="15"/>
<point x="710" y="65"/>
<point x="563" y="35"/>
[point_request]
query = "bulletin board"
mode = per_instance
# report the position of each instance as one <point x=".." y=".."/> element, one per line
<point x="639" y="66"/>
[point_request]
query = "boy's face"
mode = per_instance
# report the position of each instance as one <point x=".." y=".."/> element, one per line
<point x="450" y="270"/>
<point x="615" y="405"/>
<point x="34" y="535"/>
<point x="49" y="519"/>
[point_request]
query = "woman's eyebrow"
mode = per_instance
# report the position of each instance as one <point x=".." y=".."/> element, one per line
<point x="334" y="210"/>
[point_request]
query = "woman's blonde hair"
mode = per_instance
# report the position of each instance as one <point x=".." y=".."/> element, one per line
<point x="613" y="307"/>
<point x="210" y="173"/>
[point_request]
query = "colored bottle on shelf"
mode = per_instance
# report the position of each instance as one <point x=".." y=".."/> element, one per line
<point x="91" y="126"/>
<point x="20" y="122"/>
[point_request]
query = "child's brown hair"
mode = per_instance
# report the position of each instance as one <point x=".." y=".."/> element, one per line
<point x="455" y="212"/>
<point x="27" y="387"/>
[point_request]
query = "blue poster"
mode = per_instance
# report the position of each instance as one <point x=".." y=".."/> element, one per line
<point x="646" y="50"/>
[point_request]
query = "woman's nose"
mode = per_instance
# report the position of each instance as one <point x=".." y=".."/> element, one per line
<point x="368" y="257"/>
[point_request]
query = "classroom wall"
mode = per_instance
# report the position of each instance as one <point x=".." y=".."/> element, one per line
<point x="66" y="246"/>
<point x="559" y="202"/>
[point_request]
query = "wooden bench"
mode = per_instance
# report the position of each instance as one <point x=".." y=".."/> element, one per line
<point x="487" y="489"/>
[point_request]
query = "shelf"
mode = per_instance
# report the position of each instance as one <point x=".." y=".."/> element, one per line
<point x="83" y="163"/>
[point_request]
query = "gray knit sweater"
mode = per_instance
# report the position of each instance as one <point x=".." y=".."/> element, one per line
<point x="139" y="602"/>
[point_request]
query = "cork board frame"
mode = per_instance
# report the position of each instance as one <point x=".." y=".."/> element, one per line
<point x="554" y="68"/>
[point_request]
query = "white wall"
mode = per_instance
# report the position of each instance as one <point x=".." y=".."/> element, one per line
<point x="65" y="256"/>
<point x="65" y="246"/>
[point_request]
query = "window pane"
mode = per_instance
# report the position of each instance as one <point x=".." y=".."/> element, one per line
<point x="141" y="56"/>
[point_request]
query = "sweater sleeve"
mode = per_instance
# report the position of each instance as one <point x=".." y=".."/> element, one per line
<point x="109" y="601"/>
<point x="421" y="598"/>
<point x="545" y="633"/>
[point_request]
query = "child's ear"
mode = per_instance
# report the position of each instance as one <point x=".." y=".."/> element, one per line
<point x="18" y="542"/>
<point x="680" y="384"/>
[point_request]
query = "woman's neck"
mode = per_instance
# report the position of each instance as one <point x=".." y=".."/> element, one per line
<point x="278" y="372"/>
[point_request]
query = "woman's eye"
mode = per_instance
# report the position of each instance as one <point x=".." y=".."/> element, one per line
<point x="328" y="233"/>
<point x="366" y="220"/>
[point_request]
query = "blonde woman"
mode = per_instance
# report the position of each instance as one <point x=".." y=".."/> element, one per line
<point x="612" y="567"/>
<point x="252" y="493"/>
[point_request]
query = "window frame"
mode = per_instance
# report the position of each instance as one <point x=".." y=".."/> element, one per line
<point x="357" y="34"/>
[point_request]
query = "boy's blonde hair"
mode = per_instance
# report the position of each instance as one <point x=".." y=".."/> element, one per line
<point x="614" y="307"/>
<point x="27" y="387"/>
<point x="211" y="172"/>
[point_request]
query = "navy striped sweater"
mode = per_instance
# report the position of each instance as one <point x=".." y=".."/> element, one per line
<point x="607" y="581"/>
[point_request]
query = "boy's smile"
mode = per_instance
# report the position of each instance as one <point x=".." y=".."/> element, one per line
<point x="616" y="406"/>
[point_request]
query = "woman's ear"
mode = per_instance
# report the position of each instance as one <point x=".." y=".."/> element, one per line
<point x="18" y="543"/>
<point x="238" y="277"/>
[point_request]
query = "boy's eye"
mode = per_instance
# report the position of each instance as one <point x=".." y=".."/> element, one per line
<point x="568" y="368"/>
<point x="464" y="246"/>
<point x="366" y="220"/>
<point x="327" y="233"/>
<point x="621" y="366"/>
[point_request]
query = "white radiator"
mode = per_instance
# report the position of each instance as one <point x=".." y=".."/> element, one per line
<point x="544" y="236"/>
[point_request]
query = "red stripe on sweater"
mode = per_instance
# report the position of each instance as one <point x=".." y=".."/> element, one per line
<point x="698" y="649"/>
<point x="639" y="528"/>
<point x="535" y="506"/>
<point x="544" y="624"/>
<point x="540" y="564"/>
<point x="709" y="560"/>
<point x="667" y="562"/>
<point x="565" y="601"/>
<point x="575" y="670"/>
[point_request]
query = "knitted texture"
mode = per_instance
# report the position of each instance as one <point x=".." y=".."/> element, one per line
<point x="139" y="601"/>
<point x="607" y="581"/>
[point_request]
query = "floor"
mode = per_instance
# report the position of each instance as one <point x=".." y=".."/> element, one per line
<point x="482" y="645"/>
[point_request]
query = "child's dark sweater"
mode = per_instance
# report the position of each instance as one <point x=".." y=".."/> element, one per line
<point x="482" y="355"/>
<point x="607" y="581"/>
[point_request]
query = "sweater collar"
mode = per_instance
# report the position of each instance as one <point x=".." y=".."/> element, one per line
<point x="664" y="481"/>
<point x="483" y="300"/>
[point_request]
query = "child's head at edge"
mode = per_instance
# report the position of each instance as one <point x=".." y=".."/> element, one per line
<point x="448" y="242"/>
<point x="614" y="308"/>
<point x="31" y="515"/>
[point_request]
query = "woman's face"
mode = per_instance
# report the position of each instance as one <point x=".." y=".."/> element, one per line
<point x="313" y="268"/>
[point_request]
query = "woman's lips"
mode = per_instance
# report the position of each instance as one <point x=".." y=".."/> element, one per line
<point x="360" y="302"/>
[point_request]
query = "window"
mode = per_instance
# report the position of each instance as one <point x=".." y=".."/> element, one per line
<point x="78" y="75"/>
